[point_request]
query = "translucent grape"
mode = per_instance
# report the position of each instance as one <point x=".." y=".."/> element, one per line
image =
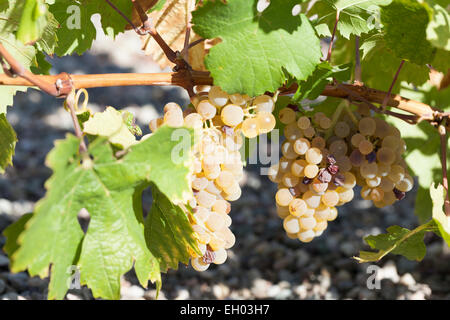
<point x="385" y="156"/>
<point x="206" y="109"/>
<point x="250" y="128"/>
<point x="287" y="115"/>
<point x="330" y="198"/>
<point x="266" y="121"/>
<point x="311" y="170"/>
<point x="288" y="151"/>
<point x="312" y="199"/>
<point x="341" y="129"/>
<point x="232" y="115"/>
<point x="301" y="145"/>
<point x="283" y="197"/>
<point x="237" y="99"/>
<point x="289" y="180"/>
<point x="307" y="223"/>
<point x="217" y="96"/>
<point x="298" y="167"/>
<point x="367" y="126"/>
<point x="313" y="156"/>
<point x="291" y="224"/>
<point x="369" y="170"/>
<point x="264" y="103"/>
<point x="292" y="132"/>
<point x="303" y="123"/>
<point x="365" y="147"/>
<point x="297" y="207"/>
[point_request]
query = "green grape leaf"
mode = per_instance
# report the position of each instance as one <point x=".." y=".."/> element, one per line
<point x="112" y="125"/>
<point x="76" y="32"/>
<point x="264" y="45"/>
<point x="312" y="87"/>
<point x="442" y="221"/>
<point x="355" y="16"/>
<point x="441" y="61"/>
<point x="40" y="64"/>
<point x="32" y="22"/>
<point x="398" y="240"/>
<point x="377" y="54"/>
<point x="109" y="189"/>
<point x="7" y="143"/>
<point x="438" y="30"/>
<point x="24" y="55"/>
<point x="404" y="20"/>
<point x="168" y="232"/>
<point x="12" y="233"/>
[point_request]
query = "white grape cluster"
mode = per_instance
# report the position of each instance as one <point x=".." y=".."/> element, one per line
<point x="219" y="121"/>
<point x="377" y="162"/>
<point x="313" y="175"/>
<point x="324" y="159"/>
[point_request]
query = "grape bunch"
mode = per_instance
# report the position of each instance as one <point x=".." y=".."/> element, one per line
<point x="313" y="175"/>
<point x="377" y="162"/>
<point x="324" y="159"/>
<point x="219" y="121"/>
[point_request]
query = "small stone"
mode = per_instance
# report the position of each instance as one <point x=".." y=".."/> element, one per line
<point x="132" y="293"/>
<point x="183" y="294"/>
<point x="221" y="291"/>
<point x="4" y="261"/>
<point x="260" y="288"/>
<point x="407" y="280"/>
<point x="18" y="280"/>
<point x="10" y="296"/>
<point x="71" y="296"/>
<point x="151" y="295"/>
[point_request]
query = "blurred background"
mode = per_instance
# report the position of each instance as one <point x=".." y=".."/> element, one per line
<point x="264" y="263"/>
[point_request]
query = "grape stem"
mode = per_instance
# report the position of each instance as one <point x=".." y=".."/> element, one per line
<point x="357" y="63"/>
<point x="443" y="137"/>
<point x="70" y="102"/>
<point x="330" y="48"/>
<point x="335" y="118"/>
<point x="383" y="105"/>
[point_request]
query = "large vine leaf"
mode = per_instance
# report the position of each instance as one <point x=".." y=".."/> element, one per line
<point x="8" y="141"/>
<point x="168" y="232"/>
<point x="77" y="32"/>
<point x="257" y="49"/>
<point x="404" y="20"/>
<point x="355" y="16"/>
<point x="376" y="53"/>
<point x="442" y="221"/>
<point x="398" y="240"/>
<point x="106" y="188"/>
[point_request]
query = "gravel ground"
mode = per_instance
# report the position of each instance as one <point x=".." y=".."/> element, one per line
<point x="264" y="263"/>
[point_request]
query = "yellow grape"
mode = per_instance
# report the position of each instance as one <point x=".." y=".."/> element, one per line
<point x="297" y="207"/>
<point x="250" y="128"/>
<point x="266" y="121"/>
<point x="287" y="115"/>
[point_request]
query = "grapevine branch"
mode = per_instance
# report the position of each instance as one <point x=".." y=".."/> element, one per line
<point x="443" y="137"/>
